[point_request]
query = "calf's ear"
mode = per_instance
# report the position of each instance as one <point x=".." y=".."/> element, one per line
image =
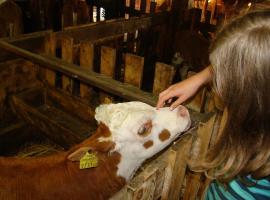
<point x="78" y="154"/>
<point x="102" y="112"/>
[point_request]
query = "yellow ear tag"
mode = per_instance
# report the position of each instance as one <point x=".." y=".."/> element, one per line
<point x="89" y="160"/>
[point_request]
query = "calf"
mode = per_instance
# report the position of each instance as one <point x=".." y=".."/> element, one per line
<point x="128" y="133"/>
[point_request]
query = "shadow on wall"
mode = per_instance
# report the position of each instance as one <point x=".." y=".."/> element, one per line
<point x="193" y="47"/>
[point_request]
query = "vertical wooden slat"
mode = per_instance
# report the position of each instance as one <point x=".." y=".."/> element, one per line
<point x="108" y="58"/>
<point x="146" y="190"/>
<point x="168" y="175"/>
<point x="137" y="4"/>
<point x="183" y="149"/>
<point x="204" y="10"/>
<point x="148" y="5"/>
<point x="107" y="67"/>
<point x="67" y="55"/>
<point x="11" y="30"/>
<point x="199" y="149"/>
<point x="213" y="9"/>
<point x="133" y="69"/>
<point x="86" y="62"/>
<point x="192" y="186"/>
<point x="50" y="49"/>
<point x="163" y="77"/>
<point x="197" y="103"/>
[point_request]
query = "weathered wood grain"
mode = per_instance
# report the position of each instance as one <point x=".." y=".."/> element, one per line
<point x="112" y="27"/>
<point x="182" y="148"/>
<point x="107" y="67"/>
<point x="60" y="118"/>
<point x="163" y="77"/>
<point x="87" y="63"/>
<point x="133" y="69"/>
<point x="50" y="49"/>
<point x="67" y="56"/>
<point x="126" y="91"/>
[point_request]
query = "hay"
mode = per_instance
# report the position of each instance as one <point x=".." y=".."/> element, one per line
<point x="40" y="149"/>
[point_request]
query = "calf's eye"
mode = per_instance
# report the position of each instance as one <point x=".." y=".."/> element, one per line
<point x="145" y="129"/>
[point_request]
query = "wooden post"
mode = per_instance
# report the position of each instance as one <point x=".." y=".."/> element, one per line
<point x="107" y="67"/>
<point x="168" y="175"/>
<point x="182" y="149"/>
<point x="204" y="11"/>
<point x="147" y="7"/>
<point x="144" y="191"/>
<point x="213" y="9"/>
<point x="133" y="69"/>
<point x="50" y="49"/>
<point x="126" y="91"/>
<point x="86" y="62"/>
<point x="199" y="149"/>
<point x="67" y="56"/>
<point x="163" y="77"/>
<point x="138" y="5"/>
<point x="197" y="103"/>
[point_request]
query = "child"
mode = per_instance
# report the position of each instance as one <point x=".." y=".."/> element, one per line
<point x="240" y="71"/>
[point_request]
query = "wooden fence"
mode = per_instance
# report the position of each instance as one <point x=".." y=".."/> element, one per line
<point x="99" y="67"/>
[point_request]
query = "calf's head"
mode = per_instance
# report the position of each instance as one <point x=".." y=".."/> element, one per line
<point x="139" y="131"/>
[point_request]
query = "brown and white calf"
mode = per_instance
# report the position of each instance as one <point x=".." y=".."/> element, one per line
<point x="128" y="133"/>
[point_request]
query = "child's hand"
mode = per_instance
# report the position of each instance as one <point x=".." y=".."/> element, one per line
<point x="184" y="89"/>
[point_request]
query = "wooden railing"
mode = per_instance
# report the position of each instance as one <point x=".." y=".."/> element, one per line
<point x="84" y="67"/>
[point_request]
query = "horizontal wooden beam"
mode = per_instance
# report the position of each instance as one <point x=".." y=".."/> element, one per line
<point x="32" y="41"/>
<point x="107" y="28"/>
<point x="92" y="31"/>
<point x="103" y="82"/>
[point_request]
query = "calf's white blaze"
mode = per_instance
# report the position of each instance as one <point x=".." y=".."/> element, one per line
<point x="125" y="120"/>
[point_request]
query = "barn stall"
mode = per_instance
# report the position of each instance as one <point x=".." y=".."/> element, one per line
<point x="52" y="82"/>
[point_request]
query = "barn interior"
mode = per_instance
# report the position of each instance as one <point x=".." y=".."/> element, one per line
<point x="60" y="59"/>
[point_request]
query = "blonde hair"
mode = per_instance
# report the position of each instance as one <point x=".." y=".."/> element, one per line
<point x="240" y="57"/>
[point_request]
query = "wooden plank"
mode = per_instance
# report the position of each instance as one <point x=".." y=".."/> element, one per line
<point x="32" y="41"/>
<point x="107" y="67"/>
<point x="192" y="186"/>
<point x="67" y="56"/>
<point x="126" y="91"/>
<point x="160" y="162"/>
<point x="87" y="63"/>
<point x="108" y="59"/>
<point x="148" y="5"/>
<point x="213" y="10"/>
<point x="204" y="133"/>
<point x="133" y="69"/>
<point x="168" y="175"/>
<point x="45" y="123"/>
<point x="145" y="190"/>
<point x="138" y="5"/>
<point x="50" y="49"/>
<point x="71" y="104"/>
<point x="163" y="77"/>
<point x="198" y="152"/>
<point x="6" y="130"/>
<point x="107" y="28"/>
<point x="197" y="103"/>
<point x="108" y="39"/>
<point x="182" y="148"/>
